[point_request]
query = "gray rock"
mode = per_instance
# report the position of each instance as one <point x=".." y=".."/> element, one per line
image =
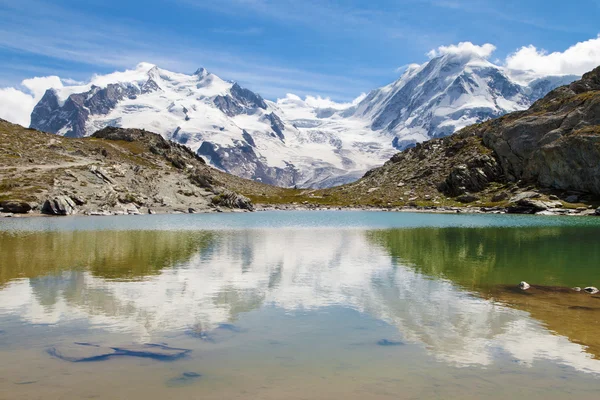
<point x="535" y="205"/>
<point x="597" y="211"/>
<point x="102" y="174"/>
<point x="525" y="195"/>
<point x="591" y="290"/>
<point x="60" y="205"/>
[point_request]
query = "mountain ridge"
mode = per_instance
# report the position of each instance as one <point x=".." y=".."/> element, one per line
<point x="290" y="142"/>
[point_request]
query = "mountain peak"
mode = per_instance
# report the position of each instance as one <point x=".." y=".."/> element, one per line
<point x="201" y="72"/>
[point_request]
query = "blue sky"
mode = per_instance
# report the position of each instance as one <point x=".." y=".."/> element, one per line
<point x="329" y="48"/>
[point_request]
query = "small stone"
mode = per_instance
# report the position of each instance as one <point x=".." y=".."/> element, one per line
<point x="591" y="290"/>
<point x="553" y="197"/>
<point x="524" y="285"/>
<point x="577" y="289"/>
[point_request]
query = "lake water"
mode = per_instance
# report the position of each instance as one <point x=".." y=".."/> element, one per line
<point x="301" y="305"/>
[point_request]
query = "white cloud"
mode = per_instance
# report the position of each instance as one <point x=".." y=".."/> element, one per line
<point x="326" y="102"/>
<point x="16" y="105"/>
<point x="464" y="49"/>
<point x="38" y="85"/>
<point x="577" y="59"/>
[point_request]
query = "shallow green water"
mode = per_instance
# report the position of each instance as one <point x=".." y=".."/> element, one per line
<point x="300" y="305"/>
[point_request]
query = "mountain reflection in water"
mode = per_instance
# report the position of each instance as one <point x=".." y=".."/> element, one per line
<point x="437" y="287"/>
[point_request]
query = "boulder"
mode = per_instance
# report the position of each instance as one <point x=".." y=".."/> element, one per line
<point x="16" y="206"/>
<point x="597" y="212"/>
<point x="59" y="205"/>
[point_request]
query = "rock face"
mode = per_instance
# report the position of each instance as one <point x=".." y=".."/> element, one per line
<point x="556" y="143"/>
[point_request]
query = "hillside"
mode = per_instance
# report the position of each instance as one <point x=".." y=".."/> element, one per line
<point x="114" y="171"/>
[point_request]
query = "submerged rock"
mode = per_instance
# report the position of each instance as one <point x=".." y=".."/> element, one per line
<point x="185" y="378"/>
<point x="85" y="352"/>
<point x="156" y="351"/>
<point x="81" y="352"/>
<point x="386" y="342"/>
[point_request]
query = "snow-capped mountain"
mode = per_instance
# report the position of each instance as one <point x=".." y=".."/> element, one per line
<point x="446" y="94"/>
<point x="308" y="143"/>
<point x="232" y="127"/>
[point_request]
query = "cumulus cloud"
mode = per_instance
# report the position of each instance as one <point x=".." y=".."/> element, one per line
<point x="466" y="49"/>
<point x="16" y="105"/>
<point x="577" y="59"/>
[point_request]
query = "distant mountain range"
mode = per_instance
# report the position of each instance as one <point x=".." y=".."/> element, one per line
<point x="292" y="142"/>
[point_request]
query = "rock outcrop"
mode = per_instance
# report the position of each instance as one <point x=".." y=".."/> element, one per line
<point x="115" y="171"/>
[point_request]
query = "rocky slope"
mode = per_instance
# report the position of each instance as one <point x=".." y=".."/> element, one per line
<point x="544" y="158"/>
<point x="115" y="171"/>
<point x="291" y="142"/>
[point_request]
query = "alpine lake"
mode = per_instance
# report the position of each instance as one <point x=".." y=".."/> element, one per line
<point x="299" y="305"/>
